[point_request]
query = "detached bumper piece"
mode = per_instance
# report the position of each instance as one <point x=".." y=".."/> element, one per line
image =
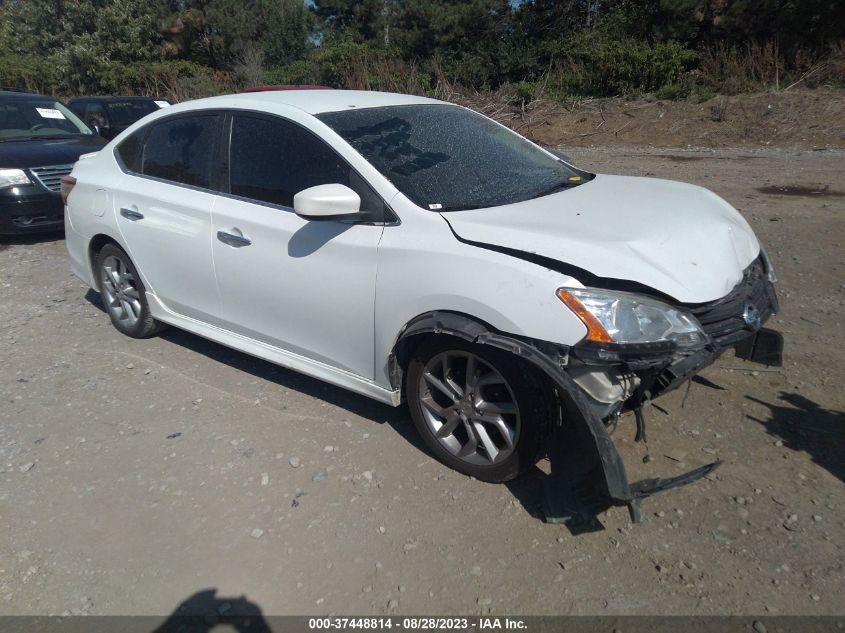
<point x="572" y="494"/>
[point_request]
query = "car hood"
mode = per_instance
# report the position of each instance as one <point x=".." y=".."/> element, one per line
<point x="679" y="239"/>
<point x="43" y="152"/>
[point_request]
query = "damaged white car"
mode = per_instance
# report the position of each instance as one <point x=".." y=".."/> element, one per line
<point x="413" y="250"/>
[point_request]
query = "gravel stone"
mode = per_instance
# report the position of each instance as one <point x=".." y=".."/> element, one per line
<point x="294" y="462"/>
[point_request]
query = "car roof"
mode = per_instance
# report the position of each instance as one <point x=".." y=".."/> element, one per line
<point x="127" y="98"/>
<point x="14" y="94"/>
<point x="314" y="101"/>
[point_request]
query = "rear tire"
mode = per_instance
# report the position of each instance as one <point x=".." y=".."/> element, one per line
<point x="123" y="293"/>
<point x="480" y="410"/>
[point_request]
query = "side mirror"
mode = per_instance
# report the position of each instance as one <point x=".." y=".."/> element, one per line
<point x="326" y="202"/>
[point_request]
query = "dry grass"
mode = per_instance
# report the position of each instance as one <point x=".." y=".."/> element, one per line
<point x="759" y="67"/>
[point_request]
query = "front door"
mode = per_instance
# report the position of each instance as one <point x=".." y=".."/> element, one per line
<point x="305" y="286"/>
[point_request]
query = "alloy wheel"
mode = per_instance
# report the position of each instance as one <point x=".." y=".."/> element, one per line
<point x="121" y="295"/>
<point x="469" y="407"/>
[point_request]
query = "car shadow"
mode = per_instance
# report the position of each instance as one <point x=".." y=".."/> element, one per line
<point x="7" y="241"/>
<point x="532" y="489"/>
<point x="397" y="417"/>
<point x="802" y="425"/>
<point x="312" y="236"/>
<point x="527" y="489"/>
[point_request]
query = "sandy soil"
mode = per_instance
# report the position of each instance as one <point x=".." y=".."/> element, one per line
<point x="135" y="473"/>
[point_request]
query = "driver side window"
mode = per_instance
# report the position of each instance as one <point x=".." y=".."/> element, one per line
<point x="95" y="115"/>
<point x="270" y="160"/>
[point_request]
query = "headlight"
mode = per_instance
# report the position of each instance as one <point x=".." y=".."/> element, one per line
<point x="767" y="262"/>
<point x="621" y="318"/>
<point x="12" y="178"/>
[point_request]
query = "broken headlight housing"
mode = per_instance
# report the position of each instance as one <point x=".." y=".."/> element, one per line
<point x="620" y="318"/>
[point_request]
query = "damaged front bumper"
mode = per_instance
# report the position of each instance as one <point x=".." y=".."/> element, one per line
<point x="598" y="383"/>
<point x="594" y="385"/>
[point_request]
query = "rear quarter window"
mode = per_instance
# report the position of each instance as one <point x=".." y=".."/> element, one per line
<point x="129" y="151"/>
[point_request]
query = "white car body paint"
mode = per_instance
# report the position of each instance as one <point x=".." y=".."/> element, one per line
<point x="680" y="239"/>
<point x="334" y="308"/>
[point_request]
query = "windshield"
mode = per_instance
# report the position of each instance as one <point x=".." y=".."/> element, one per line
<point x="36" y="118"/>
<point x="447" y="158"/>
<point x="125" y="113"/>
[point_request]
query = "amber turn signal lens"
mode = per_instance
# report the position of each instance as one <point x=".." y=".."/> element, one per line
<point x="595" y="330"/>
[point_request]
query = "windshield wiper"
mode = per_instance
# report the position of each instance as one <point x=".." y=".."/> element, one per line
<point x="565" y="184"/>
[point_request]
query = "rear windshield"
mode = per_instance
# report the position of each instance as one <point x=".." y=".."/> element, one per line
<point x="33" y="118"/>
<point x="447" y="158"/>
<point x="125" y="113"/>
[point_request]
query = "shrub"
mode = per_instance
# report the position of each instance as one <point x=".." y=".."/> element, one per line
<point x="302" y="71"/>
<point x="599" y="65"/>
<point x="29" y="72"/>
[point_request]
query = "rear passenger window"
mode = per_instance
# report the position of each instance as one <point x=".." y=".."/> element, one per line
<point x="181" y="150"/>
<point x="270" y="160"/>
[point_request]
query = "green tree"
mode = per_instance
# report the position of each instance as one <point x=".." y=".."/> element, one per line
<point x="220" y="32"/>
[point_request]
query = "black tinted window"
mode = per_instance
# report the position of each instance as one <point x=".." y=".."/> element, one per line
<point x="270" y="160"/>
<point x="182" y="150"/>
<point x="129" y="151"/>
<point x="125" y="113"/>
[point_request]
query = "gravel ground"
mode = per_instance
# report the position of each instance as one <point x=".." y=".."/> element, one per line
<point x="134" y="474"/>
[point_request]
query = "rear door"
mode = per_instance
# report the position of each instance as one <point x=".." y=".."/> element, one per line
<point x="163" y="206"/>
<point x="305" y="286"/>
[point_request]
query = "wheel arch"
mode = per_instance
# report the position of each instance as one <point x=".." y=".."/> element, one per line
<point x="434" y="322"/>
<point x="95" y="245"/>
<point x="547" y="356"/>
<point x="550" y="358"/>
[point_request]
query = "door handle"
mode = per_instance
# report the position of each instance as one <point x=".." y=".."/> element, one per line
<point x="131" y="214"/>
<point x="233" y="239"/>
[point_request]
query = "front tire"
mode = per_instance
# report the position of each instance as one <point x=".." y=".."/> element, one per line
<point x="123" y="293"/>
<point x="480" y="410"/>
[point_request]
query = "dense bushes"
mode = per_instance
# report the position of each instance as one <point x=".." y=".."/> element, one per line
<point x="597" y="64"/>
<point x="69" y="76"/>
<point x="670" y="48"/>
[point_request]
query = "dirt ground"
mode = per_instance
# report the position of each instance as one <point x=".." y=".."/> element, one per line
<point x="794" y="119"/>
<point x="134" y="474"/>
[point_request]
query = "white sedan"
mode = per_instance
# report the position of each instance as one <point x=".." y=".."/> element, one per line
<point x="413" y="250"/>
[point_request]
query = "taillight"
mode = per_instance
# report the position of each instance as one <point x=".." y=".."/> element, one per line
<point x="67" y="186"/>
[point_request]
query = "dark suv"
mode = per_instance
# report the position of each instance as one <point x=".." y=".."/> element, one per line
<point x="40" y="140"/>
<point x="109" y="116"/>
